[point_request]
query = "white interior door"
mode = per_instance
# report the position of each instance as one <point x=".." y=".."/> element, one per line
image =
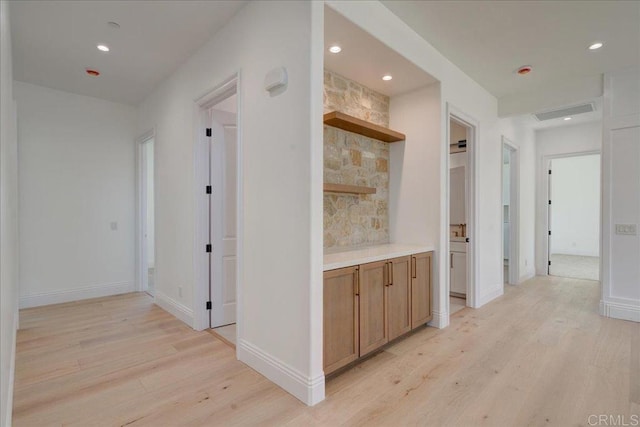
<point x="223" y="218"/>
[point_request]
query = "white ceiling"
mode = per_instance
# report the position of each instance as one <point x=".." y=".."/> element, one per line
<point x="365" y="59"/>
<point x="54" y="41"/>
<point x="489" y="40"/>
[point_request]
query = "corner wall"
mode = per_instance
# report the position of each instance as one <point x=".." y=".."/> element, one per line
<point x="621" y="196"/>
<point x="77" y="196"/>
<point x="8" y="221"/>
<point x="280" y="151"/>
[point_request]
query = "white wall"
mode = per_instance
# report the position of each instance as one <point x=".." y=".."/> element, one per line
<point x="621" y="196"/>
<point x="8" y="221"/>
<point x="76" y="177"/>
<point x="414" y="172"/>
<point x="559" y="141"/>
<point x="280" y="147"/>
<point x="575" y="209"/>
<point x="523" y="138"/>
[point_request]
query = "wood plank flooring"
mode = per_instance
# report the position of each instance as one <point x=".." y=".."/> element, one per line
<point x="539" y="355"/>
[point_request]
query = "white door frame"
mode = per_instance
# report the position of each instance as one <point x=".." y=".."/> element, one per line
<point x="201" y="316"/>
<point x="514" y="210"/>
<point x="546" y="164"/>
<point x="142" y="275"/>
<point x="453" y="113"/>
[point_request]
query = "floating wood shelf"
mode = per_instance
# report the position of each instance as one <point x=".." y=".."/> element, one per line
<point x="351" y="189"/>
<point x="362" y="127"/>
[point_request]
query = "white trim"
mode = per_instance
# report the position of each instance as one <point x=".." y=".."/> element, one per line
<point x="527" y="276"/>
<point x="201" y="316"/>
<point x="488" y="297"/>
<point x="174" y="307"/>
<point x="452" y="112"/>
<point x="309" y="390"/>
<point x="617" y="310"/>
<point x="546" y="164"/>
<point x="68" y="295"/>
<point x="440" y="319"/>
<point x="141" y="214"/>
<point x="514" y="210"/>
<point x="12" y="369"/>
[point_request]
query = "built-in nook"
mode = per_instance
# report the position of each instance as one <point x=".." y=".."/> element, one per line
<point x="381" y="196"/>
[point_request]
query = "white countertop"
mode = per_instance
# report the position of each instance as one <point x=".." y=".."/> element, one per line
<point x="370" y="254"/>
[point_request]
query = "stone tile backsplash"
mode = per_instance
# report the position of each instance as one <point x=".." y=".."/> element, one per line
<point x="349" y="158"/>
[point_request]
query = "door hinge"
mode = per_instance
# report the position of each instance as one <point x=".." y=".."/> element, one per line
<point x="208" y="132"/>
<point x="208" y="305"/>
<point x="208" y="248"/>
<point x="549" y="232"/>
<point x="549" y="171"/>
<point x="549" y="262"/>
<point x="549" y="201"/>
<point x="208" y="189"/>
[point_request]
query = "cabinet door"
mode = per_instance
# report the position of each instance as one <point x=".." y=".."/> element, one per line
<point x="340" y="318"/>
<point x="373" y="289"/>
<point x="458" y="266"/>
<point x="421" y="277"/>
<point x="399" y="297"/>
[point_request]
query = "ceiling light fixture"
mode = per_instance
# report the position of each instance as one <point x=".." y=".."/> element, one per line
<point x="596" y="45"/>
<point x="567" y="118"/>
<point x="103" y="47"/>
<point x="92" y="72"/>
<point x="387" y="77"/>
<point x="335" y="49"/>
<point x="524" y="70"/>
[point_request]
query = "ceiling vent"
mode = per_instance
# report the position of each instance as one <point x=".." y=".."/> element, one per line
<point x="565" y="112"/>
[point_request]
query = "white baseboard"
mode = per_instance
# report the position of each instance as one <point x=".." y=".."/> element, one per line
<point x="12" y="370"/>
<point x="309" y="390"/>
<point x="527" y="276"/>
<point x="440" y="319"/>
<point x="490" y="296"/>
<point x="621" y="311"/>
<point x="68" y="295"/>
<point x="174" y="307"/>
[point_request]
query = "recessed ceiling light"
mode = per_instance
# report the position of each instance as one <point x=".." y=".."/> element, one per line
<point x="113" y="24"/>
<point x="567" y="118"/>
<point x="103" y="47"/>
<point x="335" y="49"/>
<point x="596" y="45"/>
<point x="92" y="72"/>
<point x="524" y="70"/>
<point x="387" y="77"/>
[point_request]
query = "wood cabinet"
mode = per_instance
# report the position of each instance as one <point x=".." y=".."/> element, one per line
<point x="374" y="280"/>
<point x="458" y="278"/>
<point x="341" y="331"/>
<point x="367" y="306"/>
<point x="399" y="297"/>
<point x="421" y="276"/>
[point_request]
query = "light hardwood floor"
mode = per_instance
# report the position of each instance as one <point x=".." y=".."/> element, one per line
<point x="539" y="355"/>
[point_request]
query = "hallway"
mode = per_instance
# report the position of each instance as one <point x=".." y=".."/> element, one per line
<point x="540" y="354"/>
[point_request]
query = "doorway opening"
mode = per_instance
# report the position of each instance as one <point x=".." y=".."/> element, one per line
<point x="146" y="214"/>
<point x="510" y="212"/>
<point x="461" y="207"/>
<point x="218" y="228"/>
<point x="573" y="243"/>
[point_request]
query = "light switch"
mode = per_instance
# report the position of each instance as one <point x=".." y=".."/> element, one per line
<point x="114" y="225"/>
<point x="627" y="229"/>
